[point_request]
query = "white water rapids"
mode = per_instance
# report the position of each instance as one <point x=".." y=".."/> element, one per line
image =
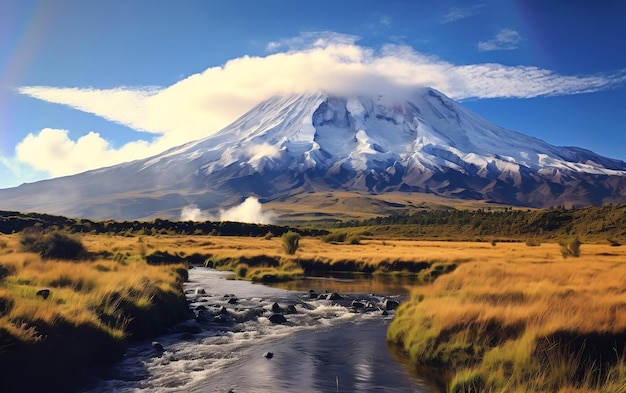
<point x="324" y="345"/>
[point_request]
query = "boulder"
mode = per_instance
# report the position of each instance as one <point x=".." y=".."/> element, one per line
<point x="334" y="296"/>
<point x="357" y="305"/>
<point x="43" y="293"/>
<point x="204" y="316"/>
<point x="233" y="300"/>
<point x="157" y="346"/>
<point x="189" y="326"/>
<point x="277" y="318"/>
<point x="391" y="304"/>
<point x="268" y="355"/>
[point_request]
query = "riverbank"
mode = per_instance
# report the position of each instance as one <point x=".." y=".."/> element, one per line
<point x="539" y="323"/>
<point x="61" y="319"/>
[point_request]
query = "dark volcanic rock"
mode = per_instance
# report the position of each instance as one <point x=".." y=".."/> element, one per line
<point x="43" y="293"/>
<point x="277" y="318"/>
<point x="190" y="326"/>
<point x="391" y="304"/>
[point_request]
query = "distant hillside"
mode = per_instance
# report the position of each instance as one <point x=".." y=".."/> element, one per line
<point x="591" y="224"/>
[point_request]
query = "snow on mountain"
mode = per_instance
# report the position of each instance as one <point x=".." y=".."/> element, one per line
<point x="308" y="142"/>
<point x="362" y="135"/>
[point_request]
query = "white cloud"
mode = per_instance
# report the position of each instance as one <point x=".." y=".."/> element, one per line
<point x="313" y="39"/>
<point x="193" y="213"/>
<point x="52" y="151"/>
<point x="203" y="103"/>
<point x="456" y="13"/>
<point x="258" y="152"/>
<point x="250" y="211"/>
<point x="506" y="39"/>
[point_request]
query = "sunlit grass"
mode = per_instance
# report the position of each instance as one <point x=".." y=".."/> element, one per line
<point x="526" y="321"/>
<point x="77" y="289"/>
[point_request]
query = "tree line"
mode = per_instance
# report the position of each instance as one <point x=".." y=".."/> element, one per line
<point x="593" y="223"/>
<point x="11" y="222"/>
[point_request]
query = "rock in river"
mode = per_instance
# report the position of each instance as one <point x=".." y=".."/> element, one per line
<point x="277" y="318"/>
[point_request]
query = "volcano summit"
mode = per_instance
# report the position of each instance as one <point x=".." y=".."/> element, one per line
<point x="286" y="146"/>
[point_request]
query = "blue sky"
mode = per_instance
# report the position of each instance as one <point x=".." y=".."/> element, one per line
<point x="86" y="84"/>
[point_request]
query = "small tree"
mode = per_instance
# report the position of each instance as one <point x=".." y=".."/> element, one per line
<point x="290" y="242"/>
<point x="570" y="248"/>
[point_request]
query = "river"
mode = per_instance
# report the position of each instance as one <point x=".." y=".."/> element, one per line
<point x="323" y="345"/>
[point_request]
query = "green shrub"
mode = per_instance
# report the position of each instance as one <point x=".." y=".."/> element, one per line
<point x="163" y="258"/>
<point x="338" y="237"/>
<point x="613" y="242"/>
<point x="290" y="242"/>
<point x="533" y="242"/>
<point x="241" y="270"/>
<point x="570" y="248"/>
<point x="54" y="245"/>
<point x="354" y="239"/>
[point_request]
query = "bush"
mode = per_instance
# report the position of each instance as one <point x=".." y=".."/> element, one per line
<point x="338" y="237"/>
<point x="290" y="242"/>
<point x="268" y="236"/>
<point x="533" y="242"/>
<point x="54" y="245"/>
<point x="613" y="243"/>
<point x="241" y="270"/>
<point x="163" y="258"/>
<point x="354" y="239"/>
<point x="570" y="248"/>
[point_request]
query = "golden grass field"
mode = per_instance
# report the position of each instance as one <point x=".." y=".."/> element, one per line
<point x="522" y="319"/>
<point x="509" y="318"/>
<point x="80" y="290"/>
<point x="92" y="307"/>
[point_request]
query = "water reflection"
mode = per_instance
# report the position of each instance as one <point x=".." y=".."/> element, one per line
<point x="351" y="283"/>
<point x="346" y="358"/>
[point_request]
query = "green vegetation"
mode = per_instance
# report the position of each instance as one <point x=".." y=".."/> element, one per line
<point x="593" y="224"/>
<point x="570" y="248"/>
<point x="290" y="241"/>
<point x="11" y="222"/>
<point x="53" y="245"/>
<point x="258" y="268"/>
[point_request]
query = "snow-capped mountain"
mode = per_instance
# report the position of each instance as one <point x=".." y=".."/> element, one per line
<point x="316" y="142"/>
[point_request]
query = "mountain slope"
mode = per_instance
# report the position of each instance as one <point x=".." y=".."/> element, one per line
<point x="318" y="142"/>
